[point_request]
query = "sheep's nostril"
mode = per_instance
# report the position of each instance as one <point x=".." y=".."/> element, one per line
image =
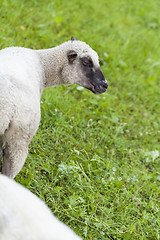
<point x="104" y="84"/>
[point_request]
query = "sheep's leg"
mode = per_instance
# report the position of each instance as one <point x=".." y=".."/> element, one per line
<point x="14" y="157"/>
<point x="17" y="138"/>
<point x="1" y="153"/>
<point x="5" y="121"/>
<point x="4" y="125"/>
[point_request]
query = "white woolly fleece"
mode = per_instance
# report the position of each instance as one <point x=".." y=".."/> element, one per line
<point x="24" y="73"/>
<point x="23" y="216"/>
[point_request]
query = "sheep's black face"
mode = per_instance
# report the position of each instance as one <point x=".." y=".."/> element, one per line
<point x="94" y="78"/>
<point x="89" y="74"/>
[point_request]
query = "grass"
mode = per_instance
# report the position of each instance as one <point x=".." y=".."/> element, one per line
<point x="95" y="159"/>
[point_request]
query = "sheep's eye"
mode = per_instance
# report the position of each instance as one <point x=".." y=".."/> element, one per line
<point x="87" y="62"/>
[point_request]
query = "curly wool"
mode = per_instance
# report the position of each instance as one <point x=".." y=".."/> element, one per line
<point x="23" y="216"/>
<point x="24" y="73"/>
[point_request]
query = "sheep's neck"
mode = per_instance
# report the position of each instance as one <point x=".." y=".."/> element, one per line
<point x="52" y="62"/>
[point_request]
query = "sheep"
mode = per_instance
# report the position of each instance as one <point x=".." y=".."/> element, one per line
<point x="23" y="216"/>
<point x="24" y="73"/>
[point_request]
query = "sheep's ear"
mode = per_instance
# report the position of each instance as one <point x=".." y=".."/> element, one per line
<point x="73" y="39"/>
<point x="71" y="56"/>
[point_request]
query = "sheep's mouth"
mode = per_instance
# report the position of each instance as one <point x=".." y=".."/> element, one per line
<point x="98" y="89"/>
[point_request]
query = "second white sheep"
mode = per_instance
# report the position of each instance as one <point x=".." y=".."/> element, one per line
<point x="23" y="216"/>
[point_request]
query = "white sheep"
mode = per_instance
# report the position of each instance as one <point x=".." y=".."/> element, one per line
<point x="24" y="73"/>
<point x="23" y="216"/>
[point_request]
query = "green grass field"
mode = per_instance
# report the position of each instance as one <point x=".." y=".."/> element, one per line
<point x="95" y="158"/>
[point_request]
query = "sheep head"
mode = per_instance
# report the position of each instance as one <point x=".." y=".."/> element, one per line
<point x="83" y="67"/>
